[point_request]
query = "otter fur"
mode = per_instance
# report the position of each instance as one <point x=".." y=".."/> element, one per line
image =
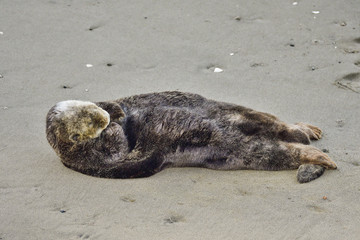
<point x="140" y="135"/>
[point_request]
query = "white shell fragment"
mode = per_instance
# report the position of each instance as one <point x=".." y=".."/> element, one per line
<point x="218" y="70"/>
<point x="86" y="90"/>
<point x="315" y="12"/>
<point x="232" y="54"/>
<point x="89" y="65"/>
<point x="1" y="33"/>
<point x="295" y="3"/>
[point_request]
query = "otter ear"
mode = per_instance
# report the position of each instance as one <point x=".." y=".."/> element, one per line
<point x="74" y="137"/>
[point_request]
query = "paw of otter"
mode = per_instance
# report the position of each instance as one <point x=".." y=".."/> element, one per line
<point x="311" y="130"/>
<point x="312" y="155"/>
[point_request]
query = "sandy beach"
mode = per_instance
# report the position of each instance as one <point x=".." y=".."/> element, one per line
<point x="298" y="60"/>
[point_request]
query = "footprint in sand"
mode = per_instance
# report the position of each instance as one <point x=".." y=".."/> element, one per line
<point x="315" y="208"/>
<point x="357" y="40"/>
<point x="357" y="63"/>
<point x="350" y="81"/>
<point x="128" y="199"/>
<point x="350" y="46"/>
<point x="174" y="218"/>
<point x="83" y="236"/>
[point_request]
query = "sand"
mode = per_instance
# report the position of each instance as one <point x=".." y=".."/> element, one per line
<point x="299" y="61"/>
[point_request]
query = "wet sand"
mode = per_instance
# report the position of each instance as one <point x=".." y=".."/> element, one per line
<point x="299" y="61"/>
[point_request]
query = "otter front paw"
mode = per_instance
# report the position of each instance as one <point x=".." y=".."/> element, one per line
<point x="114" y="109"/>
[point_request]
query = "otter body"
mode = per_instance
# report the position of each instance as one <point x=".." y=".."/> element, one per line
<point x="140" y="135"/>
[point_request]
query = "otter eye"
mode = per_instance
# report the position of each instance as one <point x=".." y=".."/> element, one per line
<point x="75" y="137"/>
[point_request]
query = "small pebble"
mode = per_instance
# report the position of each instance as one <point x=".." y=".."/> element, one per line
<point x="89" y="65"/>
<point x="317" y="41"/>
<point x="343" y="24"/>
<point x="62" y="211"/>
<point x="325" y="197"/>
<point x="1" y="33"/>
<point x="1" y="76"/>
<point x="237" y="18"/>
<point x="4" y="108"/>
<point x="292" y="45"/>
<point x="232" y="54"/>
<point x="295" y="3"/>
<point x="315" y="12"/>
<point x="218" y="70"/>
<point x="86" y="90"/>
<point x="325" y="150"/>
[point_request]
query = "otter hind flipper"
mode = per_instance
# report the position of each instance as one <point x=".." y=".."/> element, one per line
<point x="309" y="172"/>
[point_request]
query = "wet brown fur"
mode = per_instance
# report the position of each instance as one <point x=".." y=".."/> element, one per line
<point x="150" y="132"/>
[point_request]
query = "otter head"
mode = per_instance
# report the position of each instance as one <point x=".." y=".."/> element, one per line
<point x="79" y="121"/>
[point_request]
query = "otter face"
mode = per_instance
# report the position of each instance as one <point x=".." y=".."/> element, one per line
<point x="79" y="121"/>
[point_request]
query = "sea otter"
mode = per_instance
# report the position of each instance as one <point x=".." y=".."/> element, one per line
<point x="140" y="135"/>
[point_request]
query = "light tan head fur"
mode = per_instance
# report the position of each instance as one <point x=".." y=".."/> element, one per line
<point x="79" y="121"/>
